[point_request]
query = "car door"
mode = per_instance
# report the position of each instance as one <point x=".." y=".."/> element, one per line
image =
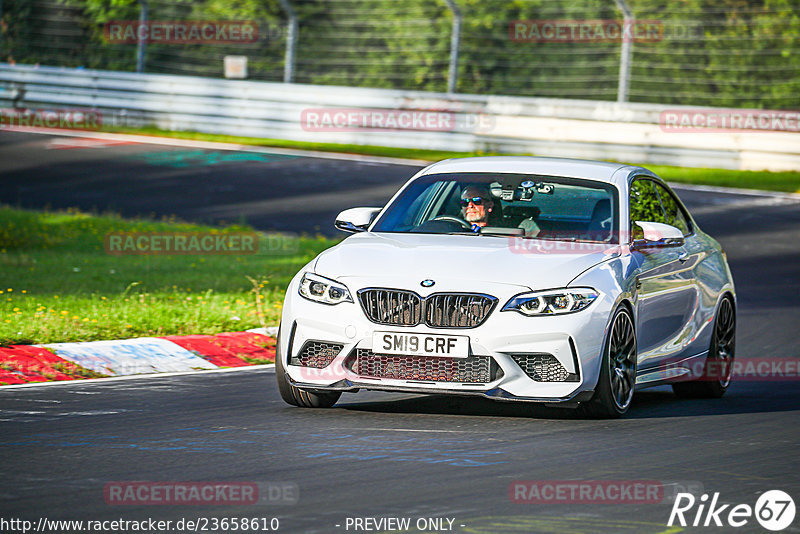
<point x="666" y="293"/>
<point x="694" y="252"/>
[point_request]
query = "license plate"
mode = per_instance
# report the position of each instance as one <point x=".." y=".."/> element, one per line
<point x="420" y="344"/>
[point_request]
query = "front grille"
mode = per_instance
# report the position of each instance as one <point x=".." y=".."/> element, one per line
<point x="397" y="307"/>
<point x="457" y="310"/>
<point x="543" y="367"/>
<point x="472" y="370"/>
<point x="391" y="306"/>
<point x="317" y="354"/>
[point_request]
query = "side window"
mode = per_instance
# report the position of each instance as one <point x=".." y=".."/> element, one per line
<point x="675" y="215"/>
<point x="644" y="206"/>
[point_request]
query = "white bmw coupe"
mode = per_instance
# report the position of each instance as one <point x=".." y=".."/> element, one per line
<point x="563" y="282"/>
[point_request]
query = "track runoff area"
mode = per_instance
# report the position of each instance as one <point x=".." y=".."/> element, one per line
<point x="386" y="462"/>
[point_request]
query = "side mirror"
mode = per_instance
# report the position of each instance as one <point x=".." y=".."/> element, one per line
<point x="356" y="219"/>
<point x="658" y="235"/>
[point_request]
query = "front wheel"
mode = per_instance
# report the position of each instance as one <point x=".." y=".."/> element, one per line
<point x="614" y="391"/>
<point x="719" y="362"/>
<point x="296" y="396"/>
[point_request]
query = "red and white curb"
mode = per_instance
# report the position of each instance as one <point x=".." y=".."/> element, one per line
<point x="26" y="364"/>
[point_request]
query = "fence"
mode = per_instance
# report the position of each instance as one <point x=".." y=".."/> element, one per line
<point x="633" y="132"/>
<point x="693" y="52"/>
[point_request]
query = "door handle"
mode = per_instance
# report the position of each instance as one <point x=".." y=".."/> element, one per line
<point x="683" y="256"/>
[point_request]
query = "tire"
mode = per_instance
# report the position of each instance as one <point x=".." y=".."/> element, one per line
<point x="719" y="362"/>
<point x="296" y="396"/>
<point x="614" y="392"/>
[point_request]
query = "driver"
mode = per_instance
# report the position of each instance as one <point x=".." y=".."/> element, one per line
<point x="476" y="205"/>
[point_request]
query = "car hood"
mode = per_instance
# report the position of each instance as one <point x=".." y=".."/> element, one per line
<point x="458" y="261"/>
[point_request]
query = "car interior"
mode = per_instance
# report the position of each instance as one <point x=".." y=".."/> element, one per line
<point x="525" y="211"/>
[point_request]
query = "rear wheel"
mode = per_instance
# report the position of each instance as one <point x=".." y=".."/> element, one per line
<point x="719" y="362"/>
<point x="614" y="391"/>
<point x="296" y="396"/>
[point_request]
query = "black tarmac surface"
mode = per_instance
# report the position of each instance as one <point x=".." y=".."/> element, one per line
<point x="383" y="455"/>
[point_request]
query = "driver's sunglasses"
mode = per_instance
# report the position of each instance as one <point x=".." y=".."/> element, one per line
<point x="478" y="201"/>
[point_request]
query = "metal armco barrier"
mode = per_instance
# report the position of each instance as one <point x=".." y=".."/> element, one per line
<point x="541" y="126"/>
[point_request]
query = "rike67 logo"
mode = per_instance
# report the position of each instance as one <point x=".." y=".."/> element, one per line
<point x="774" y="510"/>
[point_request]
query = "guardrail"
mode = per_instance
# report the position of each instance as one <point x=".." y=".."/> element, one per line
<point x="542" y="126"/>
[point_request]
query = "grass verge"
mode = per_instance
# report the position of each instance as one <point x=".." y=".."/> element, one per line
<point x="59" y="284"/>
<point x="766" y="180"/>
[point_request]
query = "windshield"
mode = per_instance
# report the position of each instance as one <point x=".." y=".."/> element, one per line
<point x="523" y="205"/>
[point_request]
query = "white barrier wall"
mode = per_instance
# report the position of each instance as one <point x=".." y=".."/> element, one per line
<point x="542" y="126"/>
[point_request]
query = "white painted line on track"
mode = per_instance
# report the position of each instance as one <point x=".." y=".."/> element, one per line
<point x="751" y="202"/>
<point x="54" y="383"/>
<point x="215" y="145"/>
<point x="734" y="191"/>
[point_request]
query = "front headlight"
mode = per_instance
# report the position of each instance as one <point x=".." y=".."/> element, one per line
<point x="324" y="290"/>
<point x="552" y="302"/>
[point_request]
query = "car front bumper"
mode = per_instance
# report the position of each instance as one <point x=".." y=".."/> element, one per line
<point x="571" y="345"/>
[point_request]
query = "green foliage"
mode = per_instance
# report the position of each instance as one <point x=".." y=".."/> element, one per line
<point x="644" y="206"/>
<point x="737" y="53"/>
<point x="59" y="284"/>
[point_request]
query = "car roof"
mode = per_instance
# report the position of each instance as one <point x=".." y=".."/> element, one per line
<point x="575" y="168"/>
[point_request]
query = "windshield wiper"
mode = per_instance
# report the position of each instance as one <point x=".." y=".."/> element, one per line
<point x="568" y="239"/>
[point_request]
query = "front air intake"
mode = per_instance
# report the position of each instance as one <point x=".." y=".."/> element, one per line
<point x="472" y="370"/>
<point x="316" y="354"/>
<point x="543" y="367"/>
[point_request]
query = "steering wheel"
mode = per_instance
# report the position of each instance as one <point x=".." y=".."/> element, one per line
<point x="462" y="222"/>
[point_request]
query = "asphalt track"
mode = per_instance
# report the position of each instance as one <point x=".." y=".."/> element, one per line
<point x="269" y="190"/>
<point x="382" y="455"/>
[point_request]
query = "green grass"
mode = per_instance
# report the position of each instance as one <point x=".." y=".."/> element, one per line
<point x="766" y="180"/>
<point x="59" y="284"/>
<point x="787" y="182"/>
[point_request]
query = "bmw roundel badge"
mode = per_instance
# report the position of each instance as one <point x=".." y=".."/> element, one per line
<point x="427" y="283"/>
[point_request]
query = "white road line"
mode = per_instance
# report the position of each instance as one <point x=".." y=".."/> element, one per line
<point x="214" y="145"/>
<point x="734" y="191"/>
<point x="56" y="383"/>
<point x="744" y="204"/>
